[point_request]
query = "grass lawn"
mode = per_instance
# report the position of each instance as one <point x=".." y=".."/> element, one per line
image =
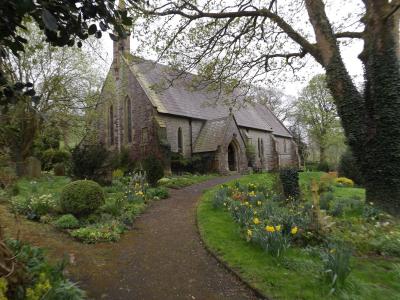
<point x="177" y="182"/>
<point x="298" y="273"/>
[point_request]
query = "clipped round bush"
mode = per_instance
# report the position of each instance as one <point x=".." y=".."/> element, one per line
<point x="81" y="197"/>
<point x="67" y="222"/>
<point x="343" y="181"/>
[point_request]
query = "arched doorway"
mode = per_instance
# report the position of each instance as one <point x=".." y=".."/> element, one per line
<point x="232" y="160"/>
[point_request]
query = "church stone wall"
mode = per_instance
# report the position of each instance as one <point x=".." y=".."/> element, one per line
<point x="266" y="161"/>
<point x="172" y="124"/>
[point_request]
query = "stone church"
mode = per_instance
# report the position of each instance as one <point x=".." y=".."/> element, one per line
<point x="146" y="108"/>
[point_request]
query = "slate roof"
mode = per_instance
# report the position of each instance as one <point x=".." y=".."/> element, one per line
<point x="211" y="135"/>
<point x="176" y="96"/>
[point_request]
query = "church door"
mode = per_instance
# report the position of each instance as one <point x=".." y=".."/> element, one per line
<point x="232" y="158"/>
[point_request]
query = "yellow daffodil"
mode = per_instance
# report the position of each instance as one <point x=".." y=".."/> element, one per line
<point x="252" y="194"/>
<point x="294" y="230"/>
<point x="254" y="212"/>
<point x="246" y="203"/>
<point x="256" y="221"/>
<point x="278" y="228"/>
<point x="249" y="232"/>
<point x="270" y="228"/>
<point x="259" y="203"/>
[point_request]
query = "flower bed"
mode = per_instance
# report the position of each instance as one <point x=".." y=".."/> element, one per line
<point x="125" y="199"/>
<point x="275" y="246"/>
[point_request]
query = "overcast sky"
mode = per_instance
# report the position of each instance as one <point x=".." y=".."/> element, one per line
<point x="337" y="10"/>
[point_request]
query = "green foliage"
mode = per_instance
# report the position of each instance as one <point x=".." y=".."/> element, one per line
<point x="325" y="200"/>
<point x="35" y="206"/>
<point x="219" y="198"/>
<point x="81" y="197"/>
<point x="154" y="169"/>
<point x="109" y="232"/>
<point x="47" y="281"/>
<point x="67" y="222"/>
<point x="50" y="157"/>
<point x="337" y="265"/>
<point x="290" y="182"/>
<point x="324" y="167"/>
<point x="88" y="162"/>
<point x="349" y="168"/>
<point x="157" y="193"/>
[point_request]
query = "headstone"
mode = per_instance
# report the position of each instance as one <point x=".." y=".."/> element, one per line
<point x="33" y="167"/>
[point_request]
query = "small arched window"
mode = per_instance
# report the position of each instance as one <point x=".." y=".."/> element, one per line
<point x="128" y="119"/>
<point x="180" y="141"/>
<point x="284" y="146"/>
<point x="111" y="125"/>
<point x="259" y="147"/>
<point x="262" y="148"/>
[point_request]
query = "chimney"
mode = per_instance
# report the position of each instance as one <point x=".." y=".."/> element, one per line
<point x="121" y="46"/>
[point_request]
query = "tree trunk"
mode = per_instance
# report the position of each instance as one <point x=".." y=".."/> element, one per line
<point x="380" y="165"/>
<point x="370" y="121"/>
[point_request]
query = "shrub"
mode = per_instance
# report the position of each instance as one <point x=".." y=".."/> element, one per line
<point x="81" y="197"/>
<point x="343" y="181"/>
<point x="67" y="222"/>
<point x="50" y="157"/>
<point x="7" y="176"/>
<point x="290" y="182"/>
<point x="348" y="167"/>
<point x="159" y="192"/>
<point x="88" y="162"/>
<point x="154" y="169"/>
<point x="324" y="166"/>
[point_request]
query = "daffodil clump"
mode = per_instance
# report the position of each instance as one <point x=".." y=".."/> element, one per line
<point x="264" y="221"/>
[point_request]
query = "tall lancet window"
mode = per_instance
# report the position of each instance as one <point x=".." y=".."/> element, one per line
<point x="180" y="141"/>
<point x="111" y="125"/>
<point x="128" y="119"/>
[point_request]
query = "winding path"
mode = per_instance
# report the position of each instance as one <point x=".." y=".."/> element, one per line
<point x="161" y="258"/>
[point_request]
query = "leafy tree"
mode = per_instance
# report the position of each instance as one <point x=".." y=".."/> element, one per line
<point x="236" y="41"/>
<point x="316" y="111"/>
<point x="62" y="23"/>
<point x="68" y="84"/>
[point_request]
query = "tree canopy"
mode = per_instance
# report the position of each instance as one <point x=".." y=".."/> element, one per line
<point x="239" y="41"/>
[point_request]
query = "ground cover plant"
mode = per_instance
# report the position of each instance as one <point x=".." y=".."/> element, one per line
<point x="280" y="248"/>
<point x="83" y="209"/>
<point x="32" y="276"/>
<point x="177" y="182"/>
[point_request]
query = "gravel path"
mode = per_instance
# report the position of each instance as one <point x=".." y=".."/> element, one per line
<point x="161" y="258"/>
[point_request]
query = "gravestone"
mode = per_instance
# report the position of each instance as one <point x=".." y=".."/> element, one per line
<point x="33" y="167"/>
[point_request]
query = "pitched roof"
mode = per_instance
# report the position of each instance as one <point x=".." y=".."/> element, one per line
<point x="211" y="135"/>
<point x="175" y="95"/>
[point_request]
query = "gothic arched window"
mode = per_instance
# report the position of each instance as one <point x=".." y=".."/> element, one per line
<point x="180" y="140"/>
<point x="128" y="106"/>
<point x="111" y="125"/>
